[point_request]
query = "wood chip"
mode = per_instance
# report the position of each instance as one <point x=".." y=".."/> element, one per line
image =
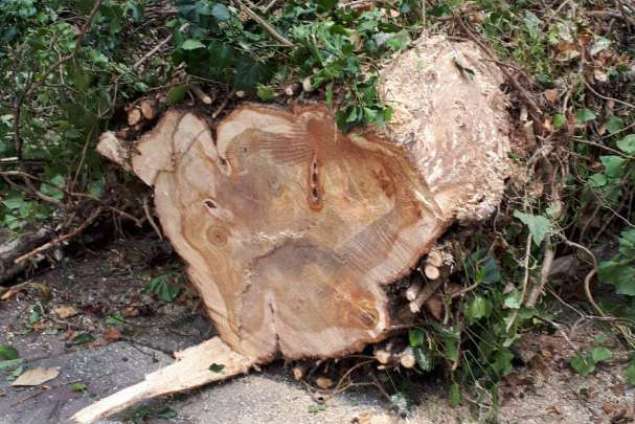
<point x="324" y="383"/>
<point x="434" y="258"/>
<point x="148" y="109"/>
<point x="36" y="376"/>
<point x="298" y="372"/>
<point x="65" y="311"/>
<point x="134" y="117"/>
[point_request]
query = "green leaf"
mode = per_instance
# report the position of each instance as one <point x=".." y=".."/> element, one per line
<point x="221" y="12"/>
<point x="629" y="373"/>
<point x="513" y="300"/>
<point x="54" y="187"/>
<point x="600" y="354"/>
<point x="176" y="94"/>
<point x="424" y="359"/>
<point x="399" y="40"/>
<point x="265" y="92"/>
<point x="585" y="115"/>
<point x="10" y="364"/>
<point x="627" y="144"/>
<point x="162" y="288"/>
<point x="614" y="165"/>
<point x="538" y="225"/>
<point x="83" y="338"/>
<point x="619" y="274"/>
<point x="614" y="124"/>
<point x="216" y="367"/>
<point x="559" y="120"/>
<point x="192" y="44"/>
<point x="598" y="180"/>
<point x="502" y="364"/>
<point x="416" y="337"/>
<point x="78" y="387"/>
<point x="115" y="320"/>
<point x="8" y="353"/>
<point x="479" y="307"/>
<point x="582" y="364"/>
<point x="454" y="396"/>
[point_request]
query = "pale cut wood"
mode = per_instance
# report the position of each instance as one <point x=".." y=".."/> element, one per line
<point x="289" y="227"/>
<point x="432" y="272"/>
<point x="191" y="369"/>
<point x="434" y="258"/>
<point x="291" y="230"/>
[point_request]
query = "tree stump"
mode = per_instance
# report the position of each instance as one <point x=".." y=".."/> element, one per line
<point x="292" y="230"/>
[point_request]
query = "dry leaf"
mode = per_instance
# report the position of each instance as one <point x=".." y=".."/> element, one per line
<point x="551" y="95"/>
<point x="65" y="311"/>
<point x="36" y="376"/>
<point x="112" y="335"/>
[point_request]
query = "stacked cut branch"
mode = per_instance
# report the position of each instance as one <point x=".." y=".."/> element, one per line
<point x="292" y="230"/>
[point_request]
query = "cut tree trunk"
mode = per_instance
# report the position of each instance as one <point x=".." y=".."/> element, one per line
<point x="292" y="230"/>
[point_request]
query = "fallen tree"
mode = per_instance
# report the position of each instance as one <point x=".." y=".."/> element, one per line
<point x="292" y="231"/>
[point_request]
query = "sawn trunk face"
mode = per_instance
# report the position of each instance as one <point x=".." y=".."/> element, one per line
<point x="289" y="228"/>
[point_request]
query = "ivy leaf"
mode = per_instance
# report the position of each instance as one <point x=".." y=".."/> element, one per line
<point x="502" y="364"/>
<point x="78" y="387"/>
<point x="582" y="116"/>
<point x="598" y="180"/>
<point x="627" y="144"/>
<point x="216" y="367"/>
<point x="600" y="354"/>
<point x="479" y="307"/>
<point x="619" y="274"/>
<point x="582" y="364"/>
<point x="221" y="12"/>
<point x="8" y="353"/>
<point x="176" y="94"/>
<point x="192" y="44"/>
<point x="559" y="121"/>
<point x="614" y="124"/>
<point x="538" y="225"/>
<point x="415" y="337"/>
<point x="424" y="359"/>
<point x="265" y="92"/>
<point x="613" y="165"/>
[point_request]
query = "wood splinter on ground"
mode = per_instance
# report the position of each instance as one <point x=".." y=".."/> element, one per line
<point x="292" y="231"/>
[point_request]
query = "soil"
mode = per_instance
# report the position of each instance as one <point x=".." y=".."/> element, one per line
<point x="97" y="353"/>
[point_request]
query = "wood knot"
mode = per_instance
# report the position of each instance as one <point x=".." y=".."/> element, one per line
<point x="217" y="235"/>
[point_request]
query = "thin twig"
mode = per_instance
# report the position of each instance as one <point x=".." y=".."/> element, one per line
<point x="153" y="51"/>
<point x="601" y="96"/>
<point x="547" y="262"/>
<point x="146" y="209"/>
<point x="271" y="30"/>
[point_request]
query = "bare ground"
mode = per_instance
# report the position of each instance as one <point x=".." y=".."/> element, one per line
<point x="91" y="348"/>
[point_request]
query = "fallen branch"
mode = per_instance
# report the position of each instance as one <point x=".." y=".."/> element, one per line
<point x="62" y="238"/>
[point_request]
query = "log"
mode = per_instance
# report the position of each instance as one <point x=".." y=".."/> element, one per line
<point x="13" y="248"/>
<point x="292" y="230"/>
